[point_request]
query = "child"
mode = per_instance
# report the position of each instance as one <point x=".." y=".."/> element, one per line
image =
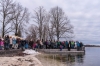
<point x="61" y="47"/>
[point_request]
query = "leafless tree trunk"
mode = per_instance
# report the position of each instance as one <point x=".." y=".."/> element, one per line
<point x="46" y="28"/>
<point x="6" y="15"/>
<point x="60" y="22"/>
<point x="33" y="32"/>
<point x="45" y="32"/>
<point x="39" y="17"/>
<point x="21" y="18"/>
<point x="51" y="32"/>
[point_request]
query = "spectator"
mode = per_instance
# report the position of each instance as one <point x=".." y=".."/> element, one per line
<point x="10" y="43"/>
<point x="69" y="45"/>
<point x="6" y="42"/>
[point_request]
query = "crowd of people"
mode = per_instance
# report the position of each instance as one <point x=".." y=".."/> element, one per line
<point x="10" y="42"/>
<point x="63" y="45"/>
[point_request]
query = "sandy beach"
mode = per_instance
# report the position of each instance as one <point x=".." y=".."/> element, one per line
<point x="26" y="60"/>
<point x="29" y="60"/>
<point x="32" y="59"/>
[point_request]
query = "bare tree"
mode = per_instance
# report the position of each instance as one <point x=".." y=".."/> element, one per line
<point x="46" y="27"/>
<point x="33" y="32"/>
<point x="21" y="18"/>
<point x="51" y="32"/>
<point x="39" y="18"/>
<point x="45" y="32"/>
<point x="60" y="22"/>
<point x="49" y="28"/>
<point x="6" y="15"/>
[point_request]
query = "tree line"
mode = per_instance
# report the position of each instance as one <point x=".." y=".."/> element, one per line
<point x="46" y="25"/>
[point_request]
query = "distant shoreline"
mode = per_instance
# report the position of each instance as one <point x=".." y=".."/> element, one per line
<point x="92" y="45"/>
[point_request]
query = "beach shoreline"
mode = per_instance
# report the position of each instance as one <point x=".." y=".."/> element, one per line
<point x="26" y="58"/>
<point x="29" y="60"/>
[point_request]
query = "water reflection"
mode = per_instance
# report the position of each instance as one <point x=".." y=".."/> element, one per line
<point x="66" y="59"/>
<point x="90" y="58"/>
<point x="79" y="58"/>
<point x="70" y="58"/>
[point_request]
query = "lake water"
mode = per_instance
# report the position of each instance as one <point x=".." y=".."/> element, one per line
<point x="90" y="58"/>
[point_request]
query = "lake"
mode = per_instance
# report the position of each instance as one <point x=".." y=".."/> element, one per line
<point x="90" y="58"/>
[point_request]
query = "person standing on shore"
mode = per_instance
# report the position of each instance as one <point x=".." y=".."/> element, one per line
<point x="78" y="45"/>
<point x="69" y="45"/>
<point x="75" y="45"/>
<point x="66" y="44"/>
<point x="6" y="42"/>
<point x="14" y="42"/>
<point x="81" y="46"/>
<point x="31" y="44"/>
<point x="10" y="46"/>
<point x="41" y="44"/>
<point x="0" y="43"/>
<point x="72" y="44"/>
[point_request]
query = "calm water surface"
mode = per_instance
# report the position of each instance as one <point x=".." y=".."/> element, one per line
<point x="90" y="58"/>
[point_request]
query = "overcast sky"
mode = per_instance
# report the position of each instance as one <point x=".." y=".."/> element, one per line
<point x="84" y="15"/>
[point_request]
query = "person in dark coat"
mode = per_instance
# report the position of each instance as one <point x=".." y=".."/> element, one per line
<point x="0" y="43"/>
<point x="6" y="42"/>
<point x="19" y="43"/>
<point x="66" y="44"/>
<point x="69" y="45"/>
<point x="31" y="44"/>
<point x="81" y="45"/>
<point x="23" y="42"/>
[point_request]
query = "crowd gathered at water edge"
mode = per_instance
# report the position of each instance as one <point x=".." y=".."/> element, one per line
<point x="9" y="42"/>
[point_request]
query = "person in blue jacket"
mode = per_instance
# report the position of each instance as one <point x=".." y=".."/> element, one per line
<point x="66" y="44"/>
<point x="78" y="45"/>
<point x="26" y="45"/>
<point x="14" y="42"/>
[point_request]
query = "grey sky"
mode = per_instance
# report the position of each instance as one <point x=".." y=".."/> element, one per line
<point x="84" y="15"/>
